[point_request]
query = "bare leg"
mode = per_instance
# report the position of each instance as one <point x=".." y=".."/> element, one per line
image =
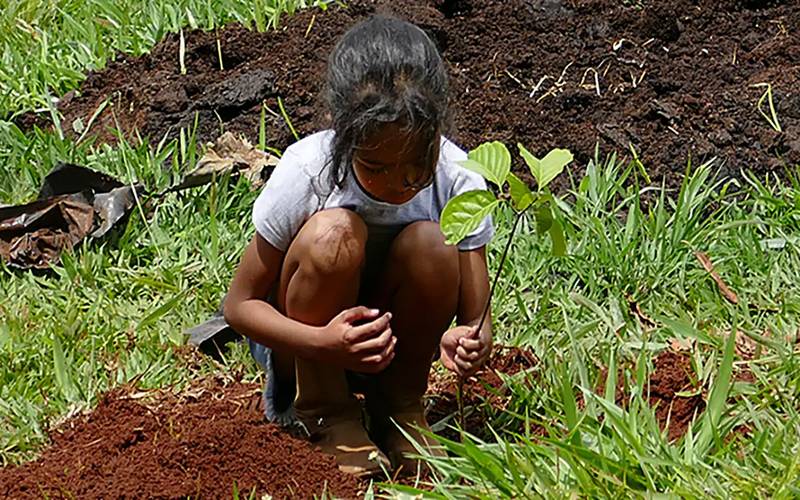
<point x="421" y="288"/>
<point x="320" y="278"/>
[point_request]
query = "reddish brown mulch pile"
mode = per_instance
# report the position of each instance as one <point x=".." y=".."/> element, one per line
<point x="673" y="373"/>
<point x="485" y="394"/>
<point x="673" y="78"/>
<point x="198" y="446"/>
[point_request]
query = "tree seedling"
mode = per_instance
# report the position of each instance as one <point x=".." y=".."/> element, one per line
<point x="464" y="213"/>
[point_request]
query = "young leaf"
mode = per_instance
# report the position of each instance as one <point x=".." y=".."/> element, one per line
<point x="544" y="219"/>
<point x="548" y="168"/>
<point x="520" y="193"/>
<point x="492" y="160"/>
<point x="464" y="213"/>
<point x="559" y="242"/>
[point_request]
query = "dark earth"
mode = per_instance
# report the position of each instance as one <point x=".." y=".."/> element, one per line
<point x="485" y="395"/>
<point x="671" y="382"/>
<point x="674" y="78"/>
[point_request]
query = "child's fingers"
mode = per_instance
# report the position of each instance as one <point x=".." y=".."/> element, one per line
<point x="468" y="355"/>
<point x="373" y="328"/>
<point x="358" y="313"/>
<point x="378" y="362"/>
<point x="376" y="344"/>
<point x="470" y="344"/>
<point x="463" y="365"/>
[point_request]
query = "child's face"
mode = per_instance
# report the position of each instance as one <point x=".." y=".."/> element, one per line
<point x="389" y="165"/>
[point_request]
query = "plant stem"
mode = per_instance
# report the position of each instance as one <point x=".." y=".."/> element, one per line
<point x="460" y="391"/>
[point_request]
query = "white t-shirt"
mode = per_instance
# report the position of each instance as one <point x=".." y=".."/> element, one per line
<point x="301" y="185"/>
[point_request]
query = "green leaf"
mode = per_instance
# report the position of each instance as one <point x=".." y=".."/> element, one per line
<point x="63" y="378"/>
<point x="160" y="311"/>
<point x="465" y="212"/>
<point x="521" y="195"/>
<point x="492" y="160"/>
<point x="4" y="336"/>
<point x="611" y="379"/>
<point x="570" y="404"/>
<point x="718" y="398"/>
<point x="544" y="219"/>
<point x="548" y="168"/>
<point x="559" y="242"/>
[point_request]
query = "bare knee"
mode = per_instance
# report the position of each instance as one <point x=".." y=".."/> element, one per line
<point x="335" y="241"/>
<point x="420" y="248"/>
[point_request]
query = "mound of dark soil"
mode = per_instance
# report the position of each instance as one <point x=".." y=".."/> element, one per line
<point x="199" y="445"/>
<point x="670" y="78"/>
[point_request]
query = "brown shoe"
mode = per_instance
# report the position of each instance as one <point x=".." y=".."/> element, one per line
<point x="331" y="418"/>
<point x="400" y="450"/>
<point x="396" y="403"/>
<point x="346" y="439"/>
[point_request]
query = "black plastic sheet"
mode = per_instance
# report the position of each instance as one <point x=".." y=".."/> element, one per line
<point x="74" y="203"/>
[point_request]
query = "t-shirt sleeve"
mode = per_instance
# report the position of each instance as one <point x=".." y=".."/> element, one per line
<point x="482" y="235"/>
<point x="285" y="202"/>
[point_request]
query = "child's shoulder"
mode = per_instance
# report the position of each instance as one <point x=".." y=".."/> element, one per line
<point x="450" y="157"/>
<point x="310" y="150"/>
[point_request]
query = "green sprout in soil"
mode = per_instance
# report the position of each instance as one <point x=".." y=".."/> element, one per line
<point x="772" y="117"/>
<point x="464" y="213"/>
<point x="182" y="53"/>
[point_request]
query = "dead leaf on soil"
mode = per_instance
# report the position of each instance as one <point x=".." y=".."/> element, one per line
<point x="681" y="345"/>
<point x="230" y="155"/>
<point x="705" y="261"/>
<point x="746" y="348"/>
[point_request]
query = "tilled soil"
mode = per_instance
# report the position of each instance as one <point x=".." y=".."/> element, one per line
<point x="203" y="441"/>
<point x="670" y="79"/>
<point x="198" y="445"/>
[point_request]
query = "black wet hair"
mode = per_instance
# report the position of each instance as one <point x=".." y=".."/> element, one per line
<point x="385" y="70"/>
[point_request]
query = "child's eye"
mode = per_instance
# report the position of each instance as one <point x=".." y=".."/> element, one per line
<point x="374" y="167"/>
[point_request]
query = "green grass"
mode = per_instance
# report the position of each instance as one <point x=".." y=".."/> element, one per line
<point x="574" y="313"/>
<point x="113" y="311"/>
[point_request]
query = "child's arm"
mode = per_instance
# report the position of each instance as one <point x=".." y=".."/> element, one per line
<point x="462" y="351"/>
<point x="339" y="342"/>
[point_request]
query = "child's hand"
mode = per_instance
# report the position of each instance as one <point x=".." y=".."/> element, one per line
<point x="367" y="347"/>
<point x="463" y="351"/>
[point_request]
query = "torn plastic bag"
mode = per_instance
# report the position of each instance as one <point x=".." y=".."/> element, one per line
<point x="74" y="202"/>
<point x="34" y="235"/>
<point x="112" y="199"/>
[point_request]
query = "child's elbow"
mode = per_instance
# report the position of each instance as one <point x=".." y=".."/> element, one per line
<point x="230" y="308"/>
